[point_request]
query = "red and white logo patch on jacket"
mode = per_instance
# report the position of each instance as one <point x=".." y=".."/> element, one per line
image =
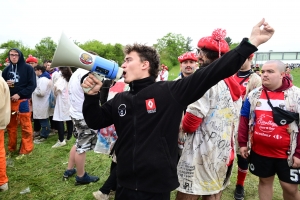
<point x="150" y="105"/>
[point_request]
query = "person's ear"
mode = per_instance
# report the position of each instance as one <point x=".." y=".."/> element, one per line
<point x="146" y="64"/>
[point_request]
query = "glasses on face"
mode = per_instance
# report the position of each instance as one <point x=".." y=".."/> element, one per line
<point x="200" y="52"/>
<point x="14" y="55"/>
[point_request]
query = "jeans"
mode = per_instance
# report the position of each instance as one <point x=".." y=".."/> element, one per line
<point x="45" y="130"/>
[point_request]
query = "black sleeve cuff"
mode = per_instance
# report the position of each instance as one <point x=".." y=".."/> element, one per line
<point x="92" y="98"/>
<point x="245" y="52"/>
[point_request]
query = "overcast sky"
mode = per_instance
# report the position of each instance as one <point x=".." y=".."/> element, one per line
<point x="129" y="21"/>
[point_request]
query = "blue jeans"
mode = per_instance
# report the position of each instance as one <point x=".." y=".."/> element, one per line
<point x="45" y="131"/>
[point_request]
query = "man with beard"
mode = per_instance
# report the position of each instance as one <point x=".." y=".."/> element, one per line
<point x="205" y="166"/>
<point x="147" y="117"/>
<point x="248" y="80"/>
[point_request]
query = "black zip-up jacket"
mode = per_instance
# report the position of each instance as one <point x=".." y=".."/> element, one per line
<point x="147" y="120"/>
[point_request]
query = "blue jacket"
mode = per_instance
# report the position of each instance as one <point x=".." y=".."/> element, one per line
<point x="23" y="75"/>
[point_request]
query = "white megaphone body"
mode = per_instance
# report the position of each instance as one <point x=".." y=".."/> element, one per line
<point x="69" y="54"/>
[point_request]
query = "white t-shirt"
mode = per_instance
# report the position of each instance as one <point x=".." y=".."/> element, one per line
<point x="76" y="93"/>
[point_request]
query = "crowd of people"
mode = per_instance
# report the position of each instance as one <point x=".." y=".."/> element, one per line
<point x="179" y="135"/>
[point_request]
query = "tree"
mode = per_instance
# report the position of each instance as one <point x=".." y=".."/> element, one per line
<point x="233" y="45"/>
<point x="170" y="47"/>
<point x="15" y="44"/>
<point x="228" y="40"/>
<point x="45" y="49"/>
<point x="107" y="51"/>
<point x="188" y="46"/>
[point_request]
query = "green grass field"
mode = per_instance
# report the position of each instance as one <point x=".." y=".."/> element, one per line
<point x="42" y="172"/>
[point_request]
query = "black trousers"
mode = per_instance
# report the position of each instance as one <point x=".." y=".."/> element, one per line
<point x="36" y="125"/>
<point x="53" y="124"/>
<point x="128" y="194"/>
<point x="111" y="182"/>
<point x="61" y="130"/>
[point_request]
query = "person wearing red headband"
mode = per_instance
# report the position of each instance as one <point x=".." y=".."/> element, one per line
<point x="248" y="80"/>
<point x="188" y="64"/>
<point x="210" y="124"/>
<point x="33" y="61"/>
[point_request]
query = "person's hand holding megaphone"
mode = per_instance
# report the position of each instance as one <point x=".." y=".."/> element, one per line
<point x="92" y="83"/>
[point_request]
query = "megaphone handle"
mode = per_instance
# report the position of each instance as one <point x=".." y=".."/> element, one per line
<point x="100" y="77"/>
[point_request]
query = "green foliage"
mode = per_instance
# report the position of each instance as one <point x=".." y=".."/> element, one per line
<point x="296" y="76"/>
<point x="45" y="49"/>
<point x="188" y="46"/>
<point x="228" y="40"/>
<point x="14" y="44"/>
<point x="107" y="51"/>
<point x="233" y="45"/>
<point x="170" y="47"/>
<point x="42" y="172"/>
<point x="174" y="72"/>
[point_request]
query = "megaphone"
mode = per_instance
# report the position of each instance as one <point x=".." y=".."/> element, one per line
<point x="69" y="54"/>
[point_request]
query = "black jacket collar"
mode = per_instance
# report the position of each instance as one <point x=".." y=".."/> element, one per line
<point x="138" y="85"/>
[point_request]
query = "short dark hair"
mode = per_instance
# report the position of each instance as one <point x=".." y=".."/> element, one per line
<point x="42" y="68"/>
<point x="47" y="61"/>
<point x="211" y="55"/>
<point x="146" y="53"/>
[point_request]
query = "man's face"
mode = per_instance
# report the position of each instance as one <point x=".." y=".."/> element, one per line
<point x="288" y="70"/>
<point x="247" y="65"/>
<point x="14" y="56"/>
<point x="202" y="59"/>
<point x="38" y="72"/>
<point x="133" y="68"/>
<point x="271" y="76"/>
<point x="48" y="66"/>
<point x="188" y="67"/>
<point x="33" y="64"/>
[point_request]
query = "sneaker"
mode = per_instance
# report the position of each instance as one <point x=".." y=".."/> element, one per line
<point x="86" y="179"/>
<point x="21" y="156"/>
<point x="59" y="144"/>
<point x="239" y="192"/>
<point x="4" y="187"/>
<point x="37" y="137"/>
<point x="68" y="173"/>
<point x="36" y="134"/>
<point x="100" y="196"/>
<point x="39" y="141"/>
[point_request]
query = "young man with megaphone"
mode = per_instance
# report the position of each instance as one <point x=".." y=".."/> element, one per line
<point x="147" y="117"/>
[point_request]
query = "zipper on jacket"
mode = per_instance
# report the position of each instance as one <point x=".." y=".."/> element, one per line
<point x="134" y="142"/>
